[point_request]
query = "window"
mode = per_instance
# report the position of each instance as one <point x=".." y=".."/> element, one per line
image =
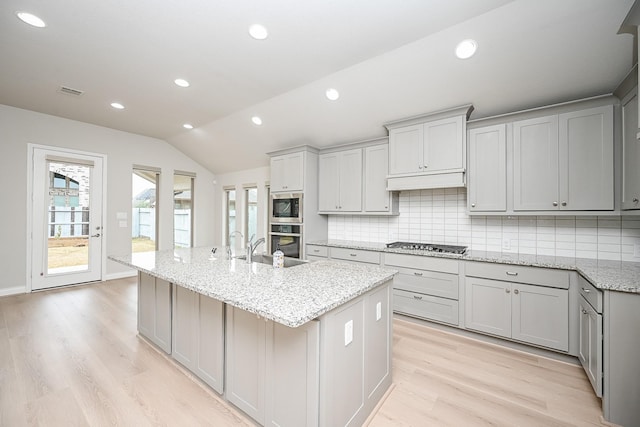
<point x="230" y="213"/>
<point x="183" y="209"/>
<point x="250" y="212"/>
<point x="144" y="209"/>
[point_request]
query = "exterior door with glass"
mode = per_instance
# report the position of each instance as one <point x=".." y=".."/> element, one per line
<point x="66" y="218"/>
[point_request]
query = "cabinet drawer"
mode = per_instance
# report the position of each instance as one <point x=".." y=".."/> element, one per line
<point x="355" y="255"/>
<point x="592" y="294"/>
<point x="425" y="306"/>
<point x="519" y="274"/>
<point x="427" y="282"/>
<point x="318" y="251"/>
<point x="442" y="265"/>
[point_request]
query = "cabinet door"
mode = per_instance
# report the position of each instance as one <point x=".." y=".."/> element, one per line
<point x="277" y="174"/>
<point x="245" y="362"/>
<point x="350" y="180"/>
<point x="540" y="315"/>
<point x="376" y="167"/>
<point x="488" y="169"/>
<point x="535" y="164"/>
<point x="292" y="382"/>
<point x="488" y="306"/>
<point x="377" y="342"/>
<point x="154" y="310"/>
<point x="328" y="185"/>
<point x="586" y="159"/>
<point x="185" y="326"/>
<point x="287" y="173"/>
<point x="444" y="144"/>
<point x="146" y="305"/>
<point x="590" y="348"/>
<point x="406" y="150"/>
<point x="630" y="152"/>
<point x="210" y="342"/>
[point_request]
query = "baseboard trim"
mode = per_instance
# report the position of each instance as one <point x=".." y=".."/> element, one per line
<point x="121" y="275"/>
<point x="13" y="291"/>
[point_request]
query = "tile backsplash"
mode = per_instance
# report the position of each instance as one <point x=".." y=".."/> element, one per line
<point x="439" y="216"/>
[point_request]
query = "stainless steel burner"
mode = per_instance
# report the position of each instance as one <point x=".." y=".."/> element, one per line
<point x="450" y="249"/>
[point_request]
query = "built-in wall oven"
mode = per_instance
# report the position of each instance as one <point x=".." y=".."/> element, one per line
<point x="287" y="237"/>
<point x="285" y="208"/>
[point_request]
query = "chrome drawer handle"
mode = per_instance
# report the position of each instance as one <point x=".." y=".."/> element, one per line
<point x="508" y="291"/>
<point x="417" y="274"/>
<point x="417" y="297"/>
<point x="515" y="291"/>
<point x="512" y="273"/>
<point x="353" y="254"/>
<point x="586" y="291"/>
<point x="316" y="250"/>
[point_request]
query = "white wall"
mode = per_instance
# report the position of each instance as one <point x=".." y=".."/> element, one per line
<point x="19" y="127"/>
<point x="439" y="216"/>
<point x="238" y="180"/>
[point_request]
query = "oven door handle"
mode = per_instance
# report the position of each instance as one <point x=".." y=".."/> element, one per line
<point x="285" y="234"/>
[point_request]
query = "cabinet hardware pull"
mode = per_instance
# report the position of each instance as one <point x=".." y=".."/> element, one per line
<point x="512" y="273"/>
<point x="425" y="166"/>
<point x="515" y="291"/>
<point x="417" y="297"/>
<point x="586" y="291"/>
<point x="555" y="203"/>
<point x="353" y="254"/>
<point x="584" y="311"/>
<point x="419" y="167"/>
<point x="508" y="291"/>
<point x="316" y="250"/>
<point x="473" y="205"/>
<point x="564" y="203"/>
<point x="635" y="200"/>
<point x="417" y="274"/>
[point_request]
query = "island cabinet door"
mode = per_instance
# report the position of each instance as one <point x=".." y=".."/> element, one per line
<point x="210" y="342"/>
<point x="377" y="346"/>
<point x="154" y="310"/>
<point x="245" y="362"/>
<point x="292" y="382"/>
<point x="185" y="322"/>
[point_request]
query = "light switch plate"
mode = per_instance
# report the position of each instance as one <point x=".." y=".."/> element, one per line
<point x="348" y="332"/>
<point x="121" y="215"/>
<point x="122" y="224"/>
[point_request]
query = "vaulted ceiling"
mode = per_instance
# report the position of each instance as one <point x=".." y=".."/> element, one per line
<point x="388" y="59"/>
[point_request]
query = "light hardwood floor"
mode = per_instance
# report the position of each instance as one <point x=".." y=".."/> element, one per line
<point x="71" y="357"/>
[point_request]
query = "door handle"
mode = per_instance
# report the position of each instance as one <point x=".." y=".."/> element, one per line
<point x="95" y="235"/>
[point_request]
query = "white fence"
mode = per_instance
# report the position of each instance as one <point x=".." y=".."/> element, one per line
<point x="68" y="221"/>
<point x="143" y="224"/>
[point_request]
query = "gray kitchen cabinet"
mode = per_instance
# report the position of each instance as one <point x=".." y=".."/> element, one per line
<point x="425" y="287"/>
<point x="154" y="310"/>
<point x="340" y="181"/>
<point x="376" y="168"/>
<point x="377" y="343"/>
<point x="526" y="307"/>
<point x="630" y="152"/>
<point x="355" y="255"/>
<point x="590" y="344"/>
<point x="287" y="173"/>
<point x="428" y="151"/>
<point x="564" y="162"/>
<point x="316" y="253"/>
<point x="198" y="335"/>
<point x="488" y="169"/>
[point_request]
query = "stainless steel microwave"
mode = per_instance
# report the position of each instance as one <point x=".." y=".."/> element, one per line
<point x="286" y="207"/>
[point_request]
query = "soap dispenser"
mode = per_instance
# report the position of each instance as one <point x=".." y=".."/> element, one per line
<point x="278" y="258"/>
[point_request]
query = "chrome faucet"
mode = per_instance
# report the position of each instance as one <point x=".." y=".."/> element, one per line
<point x="229" y="252"/>
<point x="251" y="247"/>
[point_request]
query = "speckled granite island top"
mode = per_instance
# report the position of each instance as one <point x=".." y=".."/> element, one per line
<point x="290" y="296"/>
<point x="618" y="276"/>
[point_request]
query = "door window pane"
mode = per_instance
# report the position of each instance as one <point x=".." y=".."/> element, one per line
<point x="144" y="210"/>
<point x="182" y="211"/>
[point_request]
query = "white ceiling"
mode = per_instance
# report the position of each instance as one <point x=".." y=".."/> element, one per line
<point x="389" y="59"/>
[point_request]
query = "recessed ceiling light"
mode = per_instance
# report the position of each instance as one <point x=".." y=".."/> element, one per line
<point x="117" y="105"/>
<point x="466" y="49"/>
<point x="187" y="126"/>
<point x="31" y="19"/>
<point x="332" y="94"/>
<point x="256" y="120"/>
<point x="181" y="82"/>
<point x="258" y="32"/>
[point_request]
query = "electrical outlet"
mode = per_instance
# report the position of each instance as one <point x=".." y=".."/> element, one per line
<point x="506" y="244"/>
<point x="348" y="332"/>
<point x="378" y="311"/>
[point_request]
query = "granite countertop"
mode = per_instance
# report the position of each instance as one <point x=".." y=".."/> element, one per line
<point x="290" y="296"/>
<point x="621" y="276"/>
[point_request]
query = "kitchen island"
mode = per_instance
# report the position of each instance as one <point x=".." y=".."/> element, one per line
<point x="305" y="345"/>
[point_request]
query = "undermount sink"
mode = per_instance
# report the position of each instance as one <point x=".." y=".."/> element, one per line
<point x="268" y="259"/>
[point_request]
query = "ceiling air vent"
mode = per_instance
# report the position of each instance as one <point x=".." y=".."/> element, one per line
<point x="70" y="91"/>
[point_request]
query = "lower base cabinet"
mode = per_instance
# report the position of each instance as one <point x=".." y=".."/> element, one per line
<point x="532" y="314"/>
<point x="328" y="372"/>
<point x="590" y="347"/>
<point x="198" y="335"/>
<point x="154" y="310"/>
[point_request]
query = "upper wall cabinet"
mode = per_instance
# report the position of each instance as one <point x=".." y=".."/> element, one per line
<point x="532" y="162"/>
<point x="428" y="151"/>
<point x="630" y="152"/>
<point x="287" y="173"/>
<point x="352" y="180"/>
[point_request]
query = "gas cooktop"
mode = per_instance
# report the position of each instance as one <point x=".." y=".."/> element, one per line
<point x="450" y="249"/>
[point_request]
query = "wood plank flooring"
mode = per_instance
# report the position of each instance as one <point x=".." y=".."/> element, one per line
<point x="72" y="357"/>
